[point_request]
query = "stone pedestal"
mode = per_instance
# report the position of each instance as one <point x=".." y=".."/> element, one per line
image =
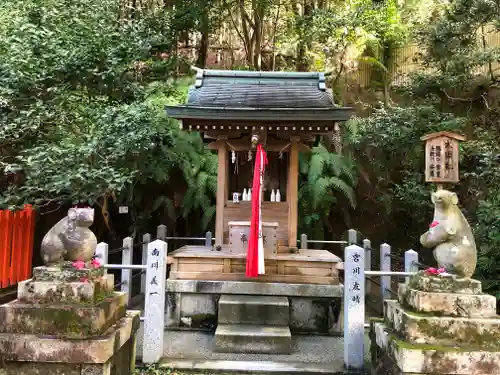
<point x="68" y="321"/>
<point x="438" y="325"/>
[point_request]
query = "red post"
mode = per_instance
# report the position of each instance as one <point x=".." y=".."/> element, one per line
<point x="16" y="245"/>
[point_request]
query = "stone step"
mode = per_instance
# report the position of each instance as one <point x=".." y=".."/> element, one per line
<point x="247" y="338"/>
<point x="231" y="367"/>
<point x="244" y="309"/>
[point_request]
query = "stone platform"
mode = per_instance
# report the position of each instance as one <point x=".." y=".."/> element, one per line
<point x="193" y="351"/>
<point x="253" y="324"/>
<point x="313" y="308"/>
<point x="68" y="321"/>
<point x="438" y="325"/>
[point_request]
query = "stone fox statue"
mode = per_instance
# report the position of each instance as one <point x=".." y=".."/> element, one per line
<point x="451" y="236"/>
<point x="70" y="239"/>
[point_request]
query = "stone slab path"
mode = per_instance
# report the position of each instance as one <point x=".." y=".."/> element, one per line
<point x="187" y="347"/>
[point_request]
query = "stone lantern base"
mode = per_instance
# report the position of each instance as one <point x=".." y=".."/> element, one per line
<point x="438" y="325"/>
<point x="68" y="321"/>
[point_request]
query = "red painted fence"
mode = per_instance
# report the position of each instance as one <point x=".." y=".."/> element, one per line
<point x="17" y="231"/>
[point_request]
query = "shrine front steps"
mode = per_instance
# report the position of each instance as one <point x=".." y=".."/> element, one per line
<point x="258" y="310"/>
<point x="253" y="324"/>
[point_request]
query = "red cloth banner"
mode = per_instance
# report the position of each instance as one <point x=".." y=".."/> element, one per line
<point x="255" y="251"/>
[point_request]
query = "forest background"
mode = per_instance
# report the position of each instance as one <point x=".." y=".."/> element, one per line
<point x="83" y="85"/>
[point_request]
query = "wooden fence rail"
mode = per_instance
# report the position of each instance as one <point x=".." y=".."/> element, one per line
<point x="17" y="230"/>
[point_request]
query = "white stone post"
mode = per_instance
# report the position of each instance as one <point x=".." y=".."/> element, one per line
<point x="154" y="305"/>
<point x="101" y="253"/>
<point x="354" y="307"/>
<point x="303" y="241"/>
<point x="367" y="245"/>
<point x="411" y="260"/>
<point x="352" y="237"/>
<point x="385" y="265"/>
<point x="208" y="239"/>
<point x="126" y="281"/>
<point x="146" y="239"/>
<point x="161" y="232"/>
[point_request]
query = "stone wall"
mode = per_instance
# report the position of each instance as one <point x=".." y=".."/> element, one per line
<point x="313" y="308"/>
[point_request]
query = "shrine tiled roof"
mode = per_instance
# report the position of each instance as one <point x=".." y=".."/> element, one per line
<point x="243" y="89"/>
<point x="260" y="96"/>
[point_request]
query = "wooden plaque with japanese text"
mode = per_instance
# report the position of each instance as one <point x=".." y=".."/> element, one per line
<point x="442" y="156"/>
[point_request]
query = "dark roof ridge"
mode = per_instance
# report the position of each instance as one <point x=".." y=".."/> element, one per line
<point x="202" y="73"/>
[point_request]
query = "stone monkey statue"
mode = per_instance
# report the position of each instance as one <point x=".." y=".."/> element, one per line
<point x="70" y="239"/>
<point x="451" y="236"/>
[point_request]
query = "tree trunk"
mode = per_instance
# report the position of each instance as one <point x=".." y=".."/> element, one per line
<point x="275" y="29"/>
<point x="304" y="41"/>
<point x="204" y="42"/>
<point x="247" y="39"/>
<point x="258" y="15"/>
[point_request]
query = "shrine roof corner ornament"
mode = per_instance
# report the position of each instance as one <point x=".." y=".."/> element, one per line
<point x="251" y="96"/>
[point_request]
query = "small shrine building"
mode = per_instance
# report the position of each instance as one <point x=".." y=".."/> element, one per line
<point x="285" y="110"/>
<point x="281" y="114"/>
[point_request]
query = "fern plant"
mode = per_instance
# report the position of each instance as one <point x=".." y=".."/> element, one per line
<point x="200" y="173"/>
<point x="325" y="179"/>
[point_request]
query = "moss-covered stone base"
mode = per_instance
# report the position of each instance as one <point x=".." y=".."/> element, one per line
<point x="384" y="364"/>
<point x="54" y="292"/>
<point x="63" y="320"/>
<point x="23" y="349"/>
<point x="121" y="363"/>
<point x="66" y="272"/>
<point x="448" y="304"/>
<point x="390" y="354"/>
<point x="421" y="328"/>
<point x="452" y="284"/>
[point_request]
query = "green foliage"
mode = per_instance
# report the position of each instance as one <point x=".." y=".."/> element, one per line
<point x="487" y="232"/>
<point x="455" y="49"/>
<point x="82" y="90"/>
<point x="482" y="180"/>
<point x="390" y="158"/>
<point x="340" y="36"/>
<point x="455" y="53"/>
<point x="83" y="86"/>
<point x="325" y="177"/>
<point x="114" y="151"/>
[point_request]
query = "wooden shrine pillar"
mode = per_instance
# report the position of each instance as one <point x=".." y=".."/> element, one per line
<point x="293" y="192"/>
<point x="221" y="190"/>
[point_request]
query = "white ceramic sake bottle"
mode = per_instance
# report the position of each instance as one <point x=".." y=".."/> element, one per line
<point x="273" y="196"/>
<point x="278" y="195"/>
<point x="249" y="196"/>
<point x="245" y="195"/>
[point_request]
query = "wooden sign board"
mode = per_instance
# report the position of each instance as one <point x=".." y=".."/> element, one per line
<point x="441" y="156"/>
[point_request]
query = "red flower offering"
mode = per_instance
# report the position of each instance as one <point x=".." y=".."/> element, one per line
<point x="79" y="265"/>
<point x="431" y="271"/>
<point x="435" y="271"/>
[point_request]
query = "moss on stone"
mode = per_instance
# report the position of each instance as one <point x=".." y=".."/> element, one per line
<point x="401" y="343"/>
<point x="62" y="321"/>
<point x="467" y="334"/>
<point x="431" y="283"/>
<point x="72" y="320"/>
